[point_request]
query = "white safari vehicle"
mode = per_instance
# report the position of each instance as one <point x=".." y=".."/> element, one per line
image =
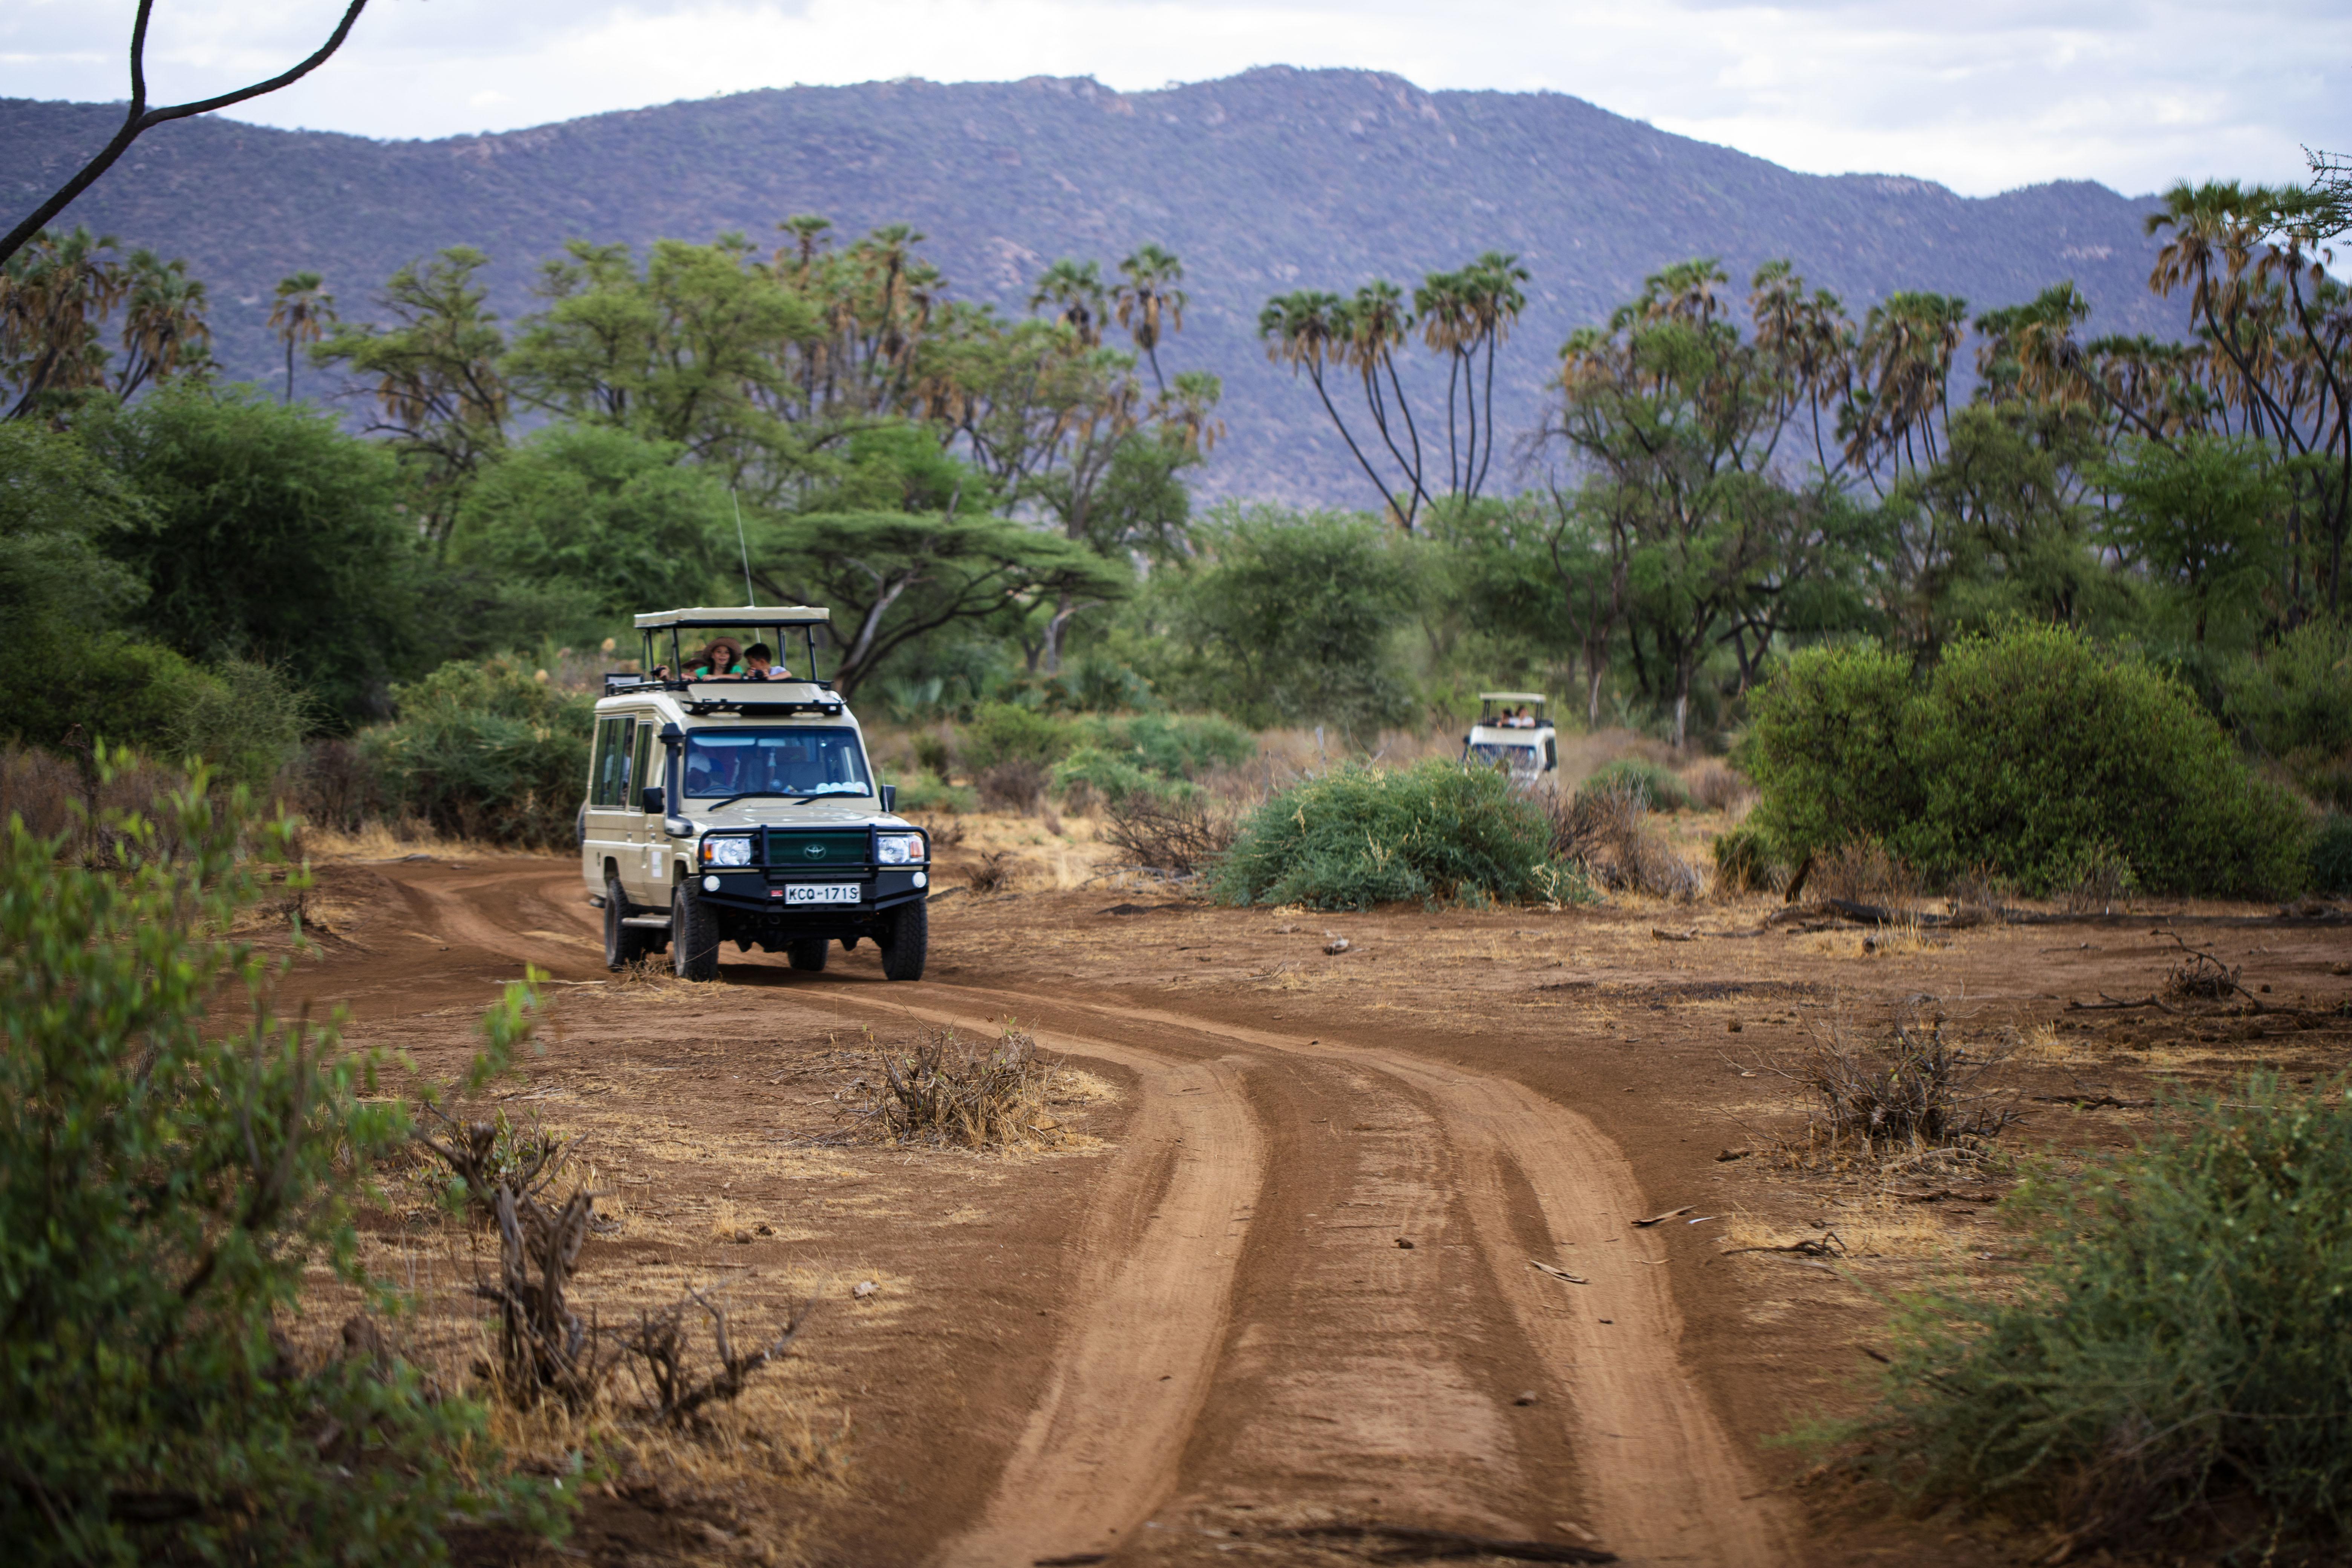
<point x="729" y="799"/>
<point x="1515" y="731"/>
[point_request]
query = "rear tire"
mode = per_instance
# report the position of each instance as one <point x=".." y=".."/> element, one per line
<point x="808" y="953"/>
<point x="905" y="939"/>
<point x="624" y="945"/>
<point x="693" y="934"/>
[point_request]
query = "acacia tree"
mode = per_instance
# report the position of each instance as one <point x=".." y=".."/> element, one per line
<point x="141" y="119"/>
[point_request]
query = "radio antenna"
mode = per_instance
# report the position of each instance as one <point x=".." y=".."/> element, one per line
<point x="748" y="597"/>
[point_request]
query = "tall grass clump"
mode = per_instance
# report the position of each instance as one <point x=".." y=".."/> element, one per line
<point x="2176" y="1363"/>
<point x="1358" y="836"/>
<point x="2026" y="753"/>
<point x="174" y="1159"/>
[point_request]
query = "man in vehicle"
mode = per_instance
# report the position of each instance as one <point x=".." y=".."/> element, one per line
<point x="758" y="664"/>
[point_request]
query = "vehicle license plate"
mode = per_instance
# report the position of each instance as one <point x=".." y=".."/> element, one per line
<point x="822" y="894"/>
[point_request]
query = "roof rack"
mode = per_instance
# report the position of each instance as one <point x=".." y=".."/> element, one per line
<point x="1495" y="696"/>
<point x="728" y="616"/>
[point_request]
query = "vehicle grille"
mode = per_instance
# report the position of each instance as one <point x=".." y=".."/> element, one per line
<point x="789" y="848"/>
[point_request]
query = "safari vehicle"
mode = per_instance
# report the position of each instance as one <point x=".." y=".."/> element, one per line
<point x="727" y="806"/>
<point x="1513" y="731"/>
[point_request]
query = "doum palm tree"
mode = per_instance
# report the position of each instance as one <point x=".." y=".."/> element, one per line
<point x="301" y="312"/>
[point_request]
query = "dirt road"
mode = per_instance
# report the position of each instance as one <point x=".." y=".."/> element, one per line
<point x="1298" y="1285"/>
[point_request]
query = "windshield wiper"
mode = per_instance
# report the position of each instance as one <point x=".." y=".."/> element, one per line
<point x="748" y="794"/>
<point x="831" y="789"/>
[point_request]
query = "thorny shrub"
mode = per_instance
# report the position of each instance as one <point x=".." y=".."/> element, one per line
<point x="1917" y="1089"/>
<point x="947" y="1090"/>
<point x="1183" y="835"/>
<point x="2174" y="1367"/>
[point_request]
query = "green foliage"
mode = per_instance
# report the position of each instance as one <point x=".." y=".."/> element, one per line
<point x="174" y="1158"/>
<point x="2199" y="516"/>
<point x="2295" y="704"/>
<point x="1660" y="787"/>
<point x="597" y="510"/>
<point x="1006" y="733"/>
<point x="484" y="751"/>
<point x="267" y="534"/>
<point x="2331" y="854"/>
<point x="1289" y="619"/>
<point x="2026" y="752"/>
<point x="245" y="719"/>
<point x="2183" y="1340"/>
<point x="1746" y="860"/>
<point x="927" y="793"/>
<point x="1359" y="837"/>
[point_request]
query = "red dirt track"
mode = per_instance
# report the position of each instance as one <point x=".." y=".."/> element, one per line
<point x="1205" y="1332"/>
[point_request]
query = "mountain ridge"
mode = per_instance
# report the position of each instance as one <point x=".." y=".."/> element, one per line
<point x="1276" y="179"/>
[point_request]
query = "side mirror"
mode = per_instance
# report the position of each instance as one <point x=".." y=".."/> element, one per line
<point x="889" y="793"/>
<point x="652" y="801"/>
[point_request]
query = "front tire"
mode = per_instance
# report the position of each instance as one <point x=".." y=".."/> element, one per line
<point x="808" y="953"/>
<point x="904" y="940"/>
<point x="624" y="945"/>
<point x="693" y="934"/>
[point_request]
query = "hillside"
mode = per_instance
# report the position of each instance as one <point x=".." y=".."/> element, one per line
<point x="1265" y="182"/>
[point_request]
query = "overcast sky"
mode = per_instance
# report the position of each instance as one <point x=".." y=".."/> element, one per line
<point x="1982" y="95"/>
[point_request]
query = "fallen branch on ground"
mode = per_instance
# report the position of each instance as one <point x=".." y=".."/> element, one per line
<point x="1829" y="1244"/>
<point x="1543" y="1268"/>
<point x="1662" y="1218"/>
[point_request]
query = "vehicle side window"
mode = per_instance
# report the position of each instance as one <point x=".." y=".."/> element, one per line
<point x="1552" y="752"/>
<point x="609" y="773"/>
<point x="639" y="777"/>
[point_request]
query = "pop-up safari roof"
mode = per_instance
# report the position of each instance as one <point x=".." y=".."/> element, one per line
<point x="727" y="617"/>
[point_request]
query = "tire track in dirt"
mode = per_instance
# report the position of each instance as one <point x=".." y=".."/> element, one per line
<point x="1104" y="1444"/>
<point x="1664" y="1482"/>
<point x="1101" y="1446"/>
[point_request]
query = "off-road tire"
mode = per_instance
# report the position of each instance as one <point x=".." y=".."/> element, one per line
<point x="624" y="945"/>
<point x="808" y="954"/>
<point x="904" y="940"/>
<point x="693" y="934"/>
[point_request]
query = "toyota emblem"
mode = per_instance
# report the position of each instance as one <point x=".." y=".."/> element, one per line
<point x="812" y="851"/>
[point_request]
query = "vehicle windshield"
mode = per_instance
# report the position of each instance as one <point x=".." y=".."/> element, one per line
<point x="779" y="760"/>
<point x="1520" y="759"/>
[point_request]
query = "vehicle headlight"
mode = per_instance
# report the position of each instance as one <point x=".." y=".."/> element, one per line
<point x="899" y="849"/>
<point x="727" y="852"/>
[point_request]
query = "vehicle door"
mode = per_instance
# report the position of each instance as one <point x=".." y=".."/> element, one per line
<point x="647" y="875"/>
<point x="614" y="821"/>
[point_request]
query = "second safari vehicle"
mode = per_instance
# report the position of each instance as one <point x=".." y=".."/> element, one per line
<point x="729" y="799"/>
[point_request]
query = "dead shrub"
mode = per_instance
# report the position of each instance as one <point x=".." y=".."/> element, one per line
<point x="1860" y="871"/>
<point x="330" y="785"/>
<point x="945" y="835"/>
<point x="993" y="874"/>
<point x="489" y="1157"/>
<point x="1718" y="788"/>
<point x="1981" y="889"/>
<point x="543" y="1346"/>
<point x="1017" y="784"/>
<point x="1916" y="1090"/>
<point x="2198" y="976"/>
<point x="2098" y="880"/>
<point x="1183" y="837"/>
<point x="946" y="1089"/>
<point x="664" y="1343"/>
<point x="1606" y="828"/>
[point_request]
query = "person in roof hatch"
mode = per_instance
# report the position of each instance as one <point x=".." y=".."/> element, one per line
<point x="758" y="664"/>
<point x="717" y="662"/>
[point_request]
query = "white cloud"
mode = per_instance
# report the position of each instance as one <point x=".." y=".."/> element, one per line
<point x="1983" y="96"/>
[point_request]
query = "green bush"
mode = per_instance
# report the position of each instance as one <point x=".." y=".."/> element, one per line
<point x="2295" y="705"/>
<point x="1181" y="746"/>
<point x="1661" y="787"/>
<point x="2027" y="751"/>
<point x="1114" y="778"/>
<point x="2182" y="1344"/>
<point x="484" y="751"/>
<point x="928" y="794"/>
<point x="2331" y="854"/>
<point x="174" y="1160"/>
<point x="248" y="720"/>
<point x="1745" y="860"/>
<point x="1359" y="837"/>
<point x="1004" y="732"/>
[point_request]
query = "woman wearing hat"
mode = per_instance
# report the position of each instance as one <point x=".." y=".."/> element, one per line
<point x="719" y="661"/>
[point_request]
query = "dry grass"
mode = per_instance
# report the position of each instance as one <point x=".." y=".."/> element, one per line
<point x="1182" y="837"/>
<point x="1718" y="788"/>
